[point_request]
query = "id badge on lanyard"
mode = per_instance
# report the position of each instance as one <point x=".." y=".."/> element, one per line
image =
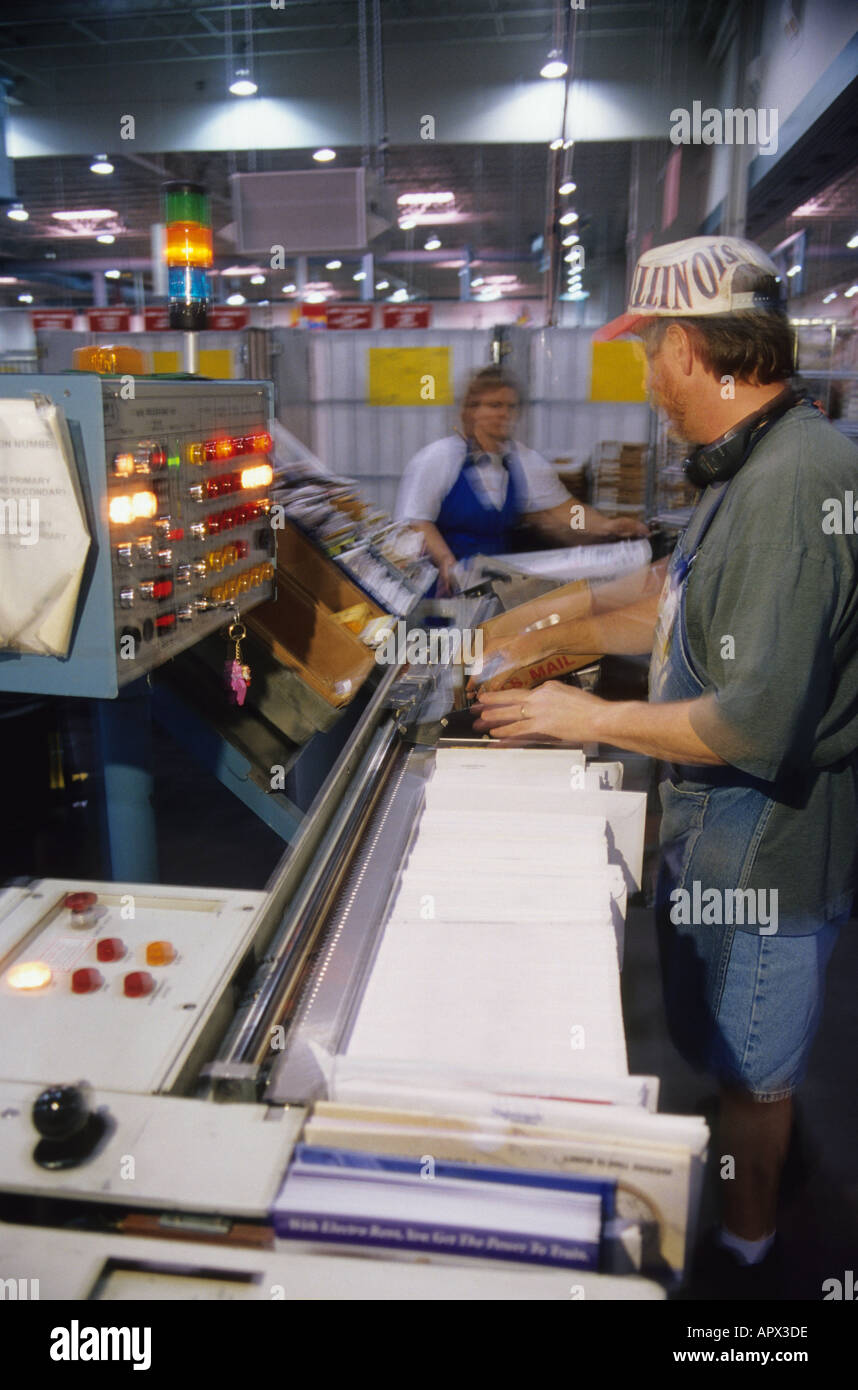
<point x="668" y="607"/>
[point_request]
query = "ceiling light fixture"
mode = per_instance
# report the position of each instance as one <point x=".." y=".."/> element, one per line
<point x="112" y="274"/>
<point x="383" y="285"/>
<point x="18" y="213"/>
<point x="333" y="265"/>
<point x="554" y="65"/>
<point x="257" y="279"/>
<point x="567" y="187"/>
<point x="406" y="224"/>
<point x="25" y="299"/>
<point x="568" y="218"/>
<point x="432" y="244"/>
<point x="828" y="298"/>
<point x="243" y="85"/>
<point x="287" y="289"/>
<point x="794" y="270"/>
<point x="853" y="289"/>
<point x="235" y="299"/>
<point x="106" y="238"/>
<point x="853" y="242"/>
<point x="425" y="199"/>
<point x="556" y="145"/>
<point x="359" y="275"/>
<point x="101" y="165"/>
<point x="324" y="155"/>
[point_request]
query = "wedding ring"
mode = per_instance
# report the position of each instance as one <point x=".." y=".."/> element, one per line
<point x="523" y="712"/>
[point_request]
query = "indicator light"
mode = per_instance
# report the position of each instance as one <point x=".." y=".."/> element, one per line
<point x="160" y="953"/>
<point x="109" y="948"/>
<point x="241" y="550"/>
<point x="196" y="453"/>
<point x="80" y="902"/>
<point x="158" y="458"/>
<point x="259" y="443"/>
<point x="188" y="251"/>
<point x="260" y="476"/>
<point x="162" y="588"/>
<point x="123" y="465"/>
<point x="86" y="980"/>
<point x="176" y="534"/>
<point x="30" y="974"/>
<point x="173" y="461"/>
<point x="138" y="984"/>
<point x="224" y="448"/>
<point x="144" y="504"/>
<point x="164" y="623"/>
<point x="121" y="511"/>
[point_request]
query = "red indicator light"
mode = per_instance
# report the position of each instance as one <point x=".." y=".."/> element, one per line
<point x="80" y="902"/>
<point x="166" y="621"/>
<point x="162" y="588"/>
<point x="177" y="534"/>
<point x="223" y="448"/>
<point x="259" y="443"/>
<point x="241" y="550"/>
<point x="138" y="983"/>
<point x="109" y="948"/>
<point x="86" y="980"/>
<point x="158" y="457"/>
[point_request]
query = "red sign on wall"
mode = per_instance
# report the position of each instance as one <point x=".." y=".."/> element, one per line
<point x="156" y="319"/>
<point x="226" y="316"/>
<point x="406" y="315"/>
<point x="52" y="318"/>
<point x="350" y="316"/>
<point x="109" y="320"/>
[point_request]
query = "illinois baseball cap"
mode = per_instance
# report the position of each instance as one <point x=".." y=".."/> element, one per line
<point x="702" y="275"/>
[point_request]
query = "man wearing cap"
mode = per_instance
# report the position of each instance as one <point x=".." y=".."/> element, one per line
<point x="753" y="704"/>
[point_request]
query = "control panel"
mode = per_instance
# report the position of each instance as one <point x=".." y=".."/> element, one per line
<point x="189" y="473"/>
<point x="113" y="984"/>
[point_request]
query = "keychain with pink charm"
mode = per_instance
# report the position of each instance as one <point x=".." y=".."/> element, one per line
<point x="236" y="675"/>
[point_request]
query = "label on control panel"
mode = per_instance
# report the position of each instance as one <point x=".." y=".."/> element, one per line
<point x="44" y="537"/>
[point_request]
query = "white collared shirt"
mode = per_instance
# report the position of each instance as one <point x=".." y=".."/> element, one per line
<point x="431" y="473"/>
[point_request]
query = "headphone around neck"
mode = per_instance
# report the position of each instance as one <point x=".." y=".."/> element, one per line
<point x="722" y="459"/>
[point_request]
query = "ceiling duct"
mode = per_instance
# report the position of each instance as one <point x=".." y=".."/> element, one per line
<point x="309" y="210"/>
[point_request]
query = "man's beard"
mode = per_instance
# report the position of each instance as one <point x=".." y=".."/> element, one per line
<point x="673" y="409"/>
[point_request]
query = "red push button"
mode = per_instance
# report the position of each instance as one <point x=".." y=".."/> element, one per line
<point x="87" y="980"/>
<point x="80" y="902"/>
<point x="109" y="948"/>
<point x="162" y="588"/>
<point x="177" y="534"/>
<point x="138" y="983"/>
<point x="166" y="621"/>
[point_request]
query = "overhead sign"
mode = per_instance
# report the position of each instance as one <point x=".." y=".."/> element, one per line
<point x="156" y="319"/>
<point x="228" y="316"/>
<point x="52" y="318"/>
<point x="406" y="315"/>
<point x="109" y="320"/>
<point x="350" y="316"/>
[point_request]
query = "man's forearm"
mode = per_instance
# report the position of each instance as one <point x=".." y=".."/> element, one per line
<point x="624" y="632"/>
<point x="659" y="730"/>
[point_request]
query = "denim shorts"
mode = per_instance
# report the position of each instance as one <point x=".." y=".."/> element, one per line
<point x="756" y="1031"/>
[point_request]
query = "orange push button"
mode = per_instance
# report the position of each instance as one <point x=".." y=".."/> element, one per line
<point x="160" y="953"/>
<point x="138" y="983"/>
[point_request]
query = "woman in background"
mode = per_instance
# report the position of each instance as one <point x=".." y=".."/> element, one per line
<point x="469" y="492"/>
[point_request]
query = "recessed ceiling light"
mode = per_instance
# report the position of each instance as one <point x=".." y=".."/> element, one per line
<point x="235" y="299"/>
<point x="287" y="289"/>
<point x="554" y="65"/>
<point x="572" y="239"/>
<point x="315" y="297"/>
<point x="243" y="84"/>
<point x="828" y="298"/>
<point x="333" y="265"/>
<point x="359" y="275"/>
<point x="106" y="238"/>
<point x="25" y="299"/>
<point x="853" y="289"/>
<point x="399" y="295"/>
<point x="407" y="223"/>
<point x="794" y="270"/>
<point x="426" y="199"/>
<point x="477" y="281"/>
<point x="112" y="274"/>
<point x="568" y="218"/>
<point x="257" y="279"/>
<point x="101" y="165"/>
<point x="18" y="213"/>
<point x="556" y="145"/>
<point x="852" y="242"/>
<point x="324" y="155"/>
<point x="383" y="285"/>
<point x="86" y="215"/>
<point x="567" y="187"/>
<point x="432" y="244"/>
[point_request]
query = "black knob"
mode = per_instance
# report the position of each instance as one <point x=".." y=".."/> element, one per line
<point x="61" y="1112"/>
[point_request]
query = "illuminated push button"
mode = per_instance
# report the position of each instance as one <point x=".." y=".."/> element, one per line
<point x="160" y="953"/>
<point x="199" y="531"/>
<point x="176" y="533"/>
<point x="109" y="948"/>
<point x="80" y="902"/>
<point x="162" y="588"/>
<point x="144" y="547"/>
<point x="138" y="984"/>
<point x="29" y="974"/>
<point x="158" y="457"/>
<point x="196" y="453"/>
<point x="196" y="492"/>
<point x="123" y="465"/>
<point x="165" y="623"/>
<point x="86" y="980"/>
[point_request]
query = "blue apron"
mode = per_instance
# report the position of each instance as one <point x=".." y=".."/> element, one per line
<point x="713" y="819"/>
<point x="469" y="526"/>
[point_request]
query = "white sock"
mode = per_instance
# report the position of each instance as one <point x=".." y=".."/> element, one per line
<point x="750" y="1252"/>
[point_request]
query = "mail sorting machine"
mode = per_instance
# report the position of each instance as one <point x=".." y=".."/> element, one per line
<point x="163" y="1047"/>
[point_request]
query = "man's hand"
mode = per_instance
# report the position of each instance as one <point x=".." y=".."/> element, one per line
<point x="621" y="527"/>
<point x="445" y="583"/>
<point x="551" y="711"/>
